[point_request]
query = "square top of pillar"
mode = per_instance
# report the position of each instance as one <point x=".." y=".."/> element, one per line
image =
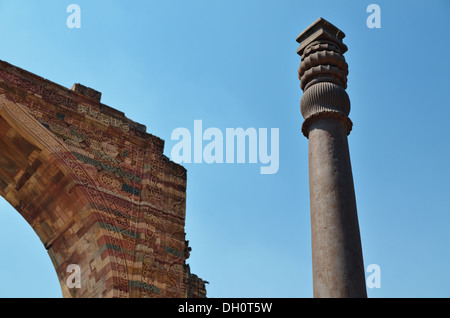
<point x="321" y="29"/>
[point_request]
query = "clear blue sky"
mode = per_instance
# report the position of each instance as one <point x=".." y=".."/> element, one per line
<point x="234" y="64"/>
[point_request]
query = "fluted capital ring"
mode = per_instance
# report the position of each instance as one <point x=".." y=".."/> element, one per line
<point x="323" y="74"/>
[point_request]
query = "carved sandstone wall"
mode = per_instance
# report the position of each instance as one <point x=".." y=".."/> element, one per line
<point x="96" y="188"/>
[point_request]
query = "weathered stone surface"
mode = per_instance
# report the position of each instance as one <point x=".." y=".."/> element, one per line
<point x="96" y="188"/>
<point x="87" y="91"/>
<point x="338" y="269"/>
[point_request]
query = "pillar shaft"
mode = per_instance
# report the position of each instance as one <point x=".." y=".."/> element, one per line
<point x="338" y="269"/>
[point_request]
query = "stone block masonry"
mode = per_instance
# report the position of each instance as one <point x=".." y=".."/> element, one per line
<point x="96" y="188"/>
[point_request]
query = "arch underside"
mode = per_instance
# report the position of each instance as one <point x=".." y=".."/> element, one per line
<point x="44" y="182"/>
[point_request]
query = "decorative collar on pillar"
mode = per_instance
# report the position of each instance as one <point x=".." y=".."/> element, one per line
<point x="323" y="74"/>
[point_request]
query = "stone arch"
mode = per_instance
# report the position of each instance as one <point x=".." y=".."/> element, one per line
<point x="96" y="188"/>
<point x="50" y="188"/>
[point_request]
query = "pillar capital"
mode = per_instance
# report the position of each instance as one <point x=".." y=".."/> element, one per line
<point x="323" y="74"/>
